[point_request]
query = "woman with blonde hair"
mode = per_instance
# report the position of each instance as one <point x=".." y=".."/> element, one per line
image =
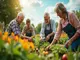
<point x="68" y="23"/>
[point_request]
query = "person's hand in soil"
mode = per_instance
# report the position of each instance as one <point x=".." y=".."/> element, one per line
<point x="30" y="39"/>
<point x="48" y="48"/>
<point x="48" y="37"/>
<point x="68" y="43"/>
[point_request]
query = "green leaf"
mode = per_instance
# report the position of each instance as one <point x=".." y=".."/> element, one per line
<point x="70" y="56"/>
<point x="33" y="56"/>
<point x="1" y="43"/>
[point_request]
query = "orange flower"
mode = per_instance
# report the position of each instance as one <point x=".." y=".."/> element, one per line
<point x="21" y="41"/>
<point x="4" y="37"/>
<point x="25" y="46"/>
<point x="9" y="40"/>
<point x="24" y="43"/>
<point x="31" y="45"/>
<point x="12" y="34"/>
<point x="63" y="35"/>
<point x="16" y="38"/>
<point x="6" y="33"/>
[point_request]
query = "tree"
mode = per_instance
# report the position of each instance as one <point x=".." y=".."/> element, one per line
<point x="33" y="25"/>
<point x="9" y="10"/>
<point x="77" y="12"/>
<point x="38" y="28"/>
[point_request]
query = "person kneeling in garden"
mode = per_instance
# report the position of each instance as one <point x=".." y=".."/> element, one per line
<point x="14" y="25"/>
<point x="28" y="30"/>
<point x="70" y="24"/>
<point x="48" y="29"/>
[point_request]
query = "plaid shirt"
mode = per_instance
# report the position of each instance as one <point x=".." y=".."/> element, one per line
<point x="13" y="27"/>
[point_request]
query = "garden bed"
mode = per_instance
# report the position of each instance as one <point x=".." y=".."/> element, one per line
<point x="14" y="48"/>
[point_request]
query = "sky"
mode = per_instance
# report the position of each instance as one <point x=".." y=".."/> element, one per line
<point x="35" y="9"/>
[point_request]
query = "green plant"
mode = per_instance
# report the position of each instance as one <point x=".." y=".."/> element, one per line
<point x="63" y="40"/>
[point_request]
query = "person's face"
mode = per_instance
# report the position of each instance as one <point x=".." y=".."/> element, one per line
<point x="20" y="19"/>
<point x="28" y="24"/>
<point x="60" y="14"/>
<point x="46" y="19"/>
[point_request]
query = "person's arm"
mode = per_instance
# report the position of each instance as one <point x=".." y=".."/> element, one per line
<point x="75" y="23"/>
<point x="51" y="34"/>
<point x="42" y="34"/>
<point x="57" y="35"/>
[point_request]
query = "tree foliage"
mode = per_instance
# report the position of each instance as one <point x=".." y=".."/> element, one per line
<point x="77" y="12"/>
<point x="9" y="10"/>
<point x="38" y="28"/>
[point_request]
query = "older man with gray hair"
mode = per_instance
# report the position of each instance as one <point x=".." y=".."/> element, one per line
<point x="14" y="25"/>
<point x="48" y="28"/>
